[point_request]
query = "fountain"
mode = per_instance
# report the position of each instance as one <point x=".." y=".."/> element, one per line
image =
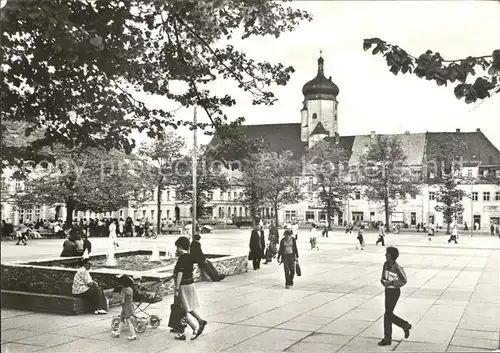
<point x="110" y="258"/>
<point x="155" y="255"/>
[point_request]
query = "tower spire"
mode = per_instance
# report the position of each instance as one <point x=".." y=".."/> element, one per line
<point x="320" y="64"/>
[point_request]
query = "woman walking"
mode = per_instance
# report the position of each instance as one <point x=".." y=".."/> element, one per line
<point x="272" y="247"/>
<point x="381" y="235"/>
<point x="289" y="255"/>
<point x="313" y="238"/>
<point x="113" y="240"/>
<point x="360" y="238"/>
<point x="185" y="291"/>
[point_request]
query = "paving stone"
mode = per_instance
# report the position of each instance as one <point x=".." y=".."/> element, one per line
<point x="409" y="346"/>
<point x="345" y="327"/>
<point x="14" y="347"/>
<point x="13" y="335"/>
<point x="460" y="349"/>
<point x="467" y="341"/>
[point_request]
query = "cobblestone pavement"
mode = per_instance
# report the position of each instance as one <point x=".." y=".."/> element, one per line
<point x="452" y="300"/>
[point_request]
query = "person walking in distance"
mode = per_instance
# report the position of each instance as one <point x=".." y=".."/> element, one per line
<point x="381" y="235"/>
<point x="256" y="251"/>
<point x="454" y="234"/>
<point x="295" y="230"/>
<point x="288" y="255"/>
<point x="313" y="238"/>
<point x="360" y="238"/>
<point x="393" y="278"/>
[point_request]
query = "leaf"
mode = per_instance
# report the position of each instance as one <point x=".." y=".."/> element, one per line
<point x="367" y="44"/>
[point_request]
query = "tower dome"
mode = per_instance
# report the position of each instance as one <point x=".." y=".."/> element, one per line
<point x="320" y="87"/>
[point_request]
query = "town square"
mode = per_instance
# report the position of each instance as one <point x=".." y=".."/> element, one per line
<point x="266" y="176"/>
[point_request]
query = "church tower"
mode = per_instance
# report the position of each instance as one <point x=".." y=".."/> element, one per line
<point x="319" y="112"/>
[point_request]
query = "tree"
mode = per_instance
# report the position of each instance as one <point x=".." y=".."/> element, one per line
<point x="443" y="161"/>
<point x="252" y="180"/>
<point x="449" y="200"/>
<point x="71" y="68"/>
<point x="385" y="176"/>
<point x="210" y="175"/>
<point x="280" y="171"/>
<point x="432" y="66"/>
<point x="163" y="153"/>
<point x="443" y="157"/>
<point x="84" y="179"/>
<point x="326" y="161"/>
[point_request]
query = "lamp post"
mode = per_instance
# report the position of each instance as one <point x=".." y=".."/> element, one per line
<point x="194" y="163"/>
<point x="472" y="206"/>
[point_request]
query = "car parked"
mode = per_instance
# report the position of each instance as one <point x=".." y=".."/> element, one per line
<point x="206" y="229"/>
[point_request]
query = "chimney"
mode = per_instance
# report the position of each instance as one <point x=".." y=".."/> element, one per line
<point x="407" y="132"/>
<point x="330" y="78"/>
<point x="458" y="130"/>
<point x="372" y="135"/>
<point x="478" y="130"/>
<point x="337" y="138"/>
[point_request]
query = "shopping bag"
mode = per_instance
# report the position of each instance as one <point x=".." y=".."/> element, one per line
<point x="298" y="271"/>
<point x="177" y="319"/>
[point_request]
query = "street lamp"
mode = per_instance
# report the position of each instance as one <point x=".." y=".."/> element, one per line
<point x="194" y="163"/>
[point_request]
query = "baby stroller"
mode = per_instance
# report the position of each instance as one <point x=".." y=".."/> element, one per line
<point x="143" y="297"/>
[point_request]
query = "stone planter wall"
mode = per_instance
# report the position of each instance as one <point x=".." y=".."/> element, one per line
<point x="33" y="277"/>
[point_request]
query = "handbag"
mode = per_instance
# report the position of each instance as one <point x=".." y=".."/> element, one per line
<point x="177" y="319"/>
<point x="298" y="271"/>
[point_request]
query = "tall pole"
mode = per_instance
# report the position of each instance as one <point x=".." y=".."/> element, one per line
<point x="194" y="161"/>
<point x="472" y="207"/>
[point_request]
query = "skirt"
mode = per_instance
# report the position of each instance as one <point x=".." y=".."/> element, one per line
<point x="188" y="297"/>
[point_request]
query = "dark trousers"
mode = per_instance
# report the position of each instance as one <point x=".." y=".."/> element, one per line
<point x="325" y="233"/>
<point x="453" y="238"/>
<point x="256" y="263"/>
<point x="391" y="299"/>
<point x="95" y="296"/>
<point x="22" y="238"/>
<point x="289" y="266"/>
<point x="380" y="240"/>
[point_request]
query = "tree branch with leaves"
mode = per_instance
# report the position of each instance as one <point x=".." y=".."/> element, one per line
<point x="433" y="67"/>
<point x="71" y="68"/>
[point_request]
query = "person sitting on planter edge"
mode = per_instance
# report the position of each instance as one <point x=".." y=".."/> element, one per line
<point x="86" y="288"/>
<point x="200" y="259"/>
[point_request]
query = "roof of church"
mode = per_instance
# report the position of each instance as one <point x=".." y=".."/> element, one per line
<point x="280" y="137"/>
<point x="283" y="137"/>
<point x="319" y="129"/>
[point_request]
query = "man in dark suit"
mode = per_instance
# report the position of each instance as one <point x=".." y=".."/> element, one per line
<point x="256" y="248"/>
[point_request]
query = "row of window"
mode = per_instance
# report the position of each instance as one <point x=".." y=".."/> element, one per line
<point x="475" y="196"/>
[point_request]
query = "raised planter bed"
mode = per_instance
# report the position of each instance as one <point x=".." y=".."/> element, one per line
<point x="23" y="282"/>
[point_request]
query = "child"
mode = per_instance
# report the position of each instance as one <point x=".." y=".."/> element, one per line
<point x="127" y="308"/>
<point x="393" y="278"/>
<point x="360" y="238"/>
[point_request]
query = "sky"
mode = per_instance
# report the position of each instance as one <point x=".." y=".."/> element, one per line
<point x="371" y="98"/>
